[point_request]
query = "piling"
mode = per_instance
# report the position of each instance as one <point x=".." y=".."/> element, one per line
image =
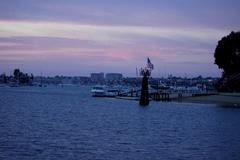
<point x="144" y="99"/>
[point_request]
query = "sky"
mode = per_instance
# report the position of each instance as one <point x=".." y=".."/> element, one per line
<point x="78" y="37"/>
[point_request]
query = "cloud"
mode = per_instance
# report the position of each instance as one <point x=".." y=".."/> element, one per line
<point x="112" y="45"/>
<point x="104" y="34"/>
<point x="195" y="13"/>
<point x="113" y="35"/>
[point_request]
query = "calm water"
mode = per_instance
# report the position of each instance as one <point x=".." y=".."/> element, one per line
<point x="67" y="123"/>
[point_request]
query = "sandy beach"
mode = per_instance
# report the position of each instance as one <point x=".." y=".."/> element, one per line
<point x="229" y="99"/>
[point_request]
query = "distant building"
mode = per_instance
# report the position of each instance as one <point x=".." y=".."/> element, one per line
<point x="97" y="76"/>
<point x="113" y="76"/>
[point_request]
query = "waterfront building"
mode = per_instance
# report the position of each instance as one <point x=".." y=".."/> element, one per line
<point x="113" y="76"/>
<point x="97" y="76"/>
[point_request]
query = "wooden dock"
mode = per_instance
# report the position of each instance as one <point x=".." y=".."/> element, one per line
<point x="159" y="95"/>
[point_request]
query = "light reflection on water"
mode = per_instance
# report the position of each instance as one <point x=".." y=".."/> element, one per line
<point x="67" y="123"/>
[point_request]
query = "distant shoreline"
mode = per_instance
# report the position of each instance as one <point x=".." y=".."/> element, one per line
<point x="223" y="99"/>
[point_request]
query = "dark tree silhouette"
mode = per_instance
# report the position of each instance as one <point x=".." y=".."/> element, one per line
<point x="16" y="73"/>
<point x="4" y="78"/>
<point x="22" y="78"/>
<point x="227" y="57"/>
<point x="227" y="53"/>
<point x="31" y="77"/>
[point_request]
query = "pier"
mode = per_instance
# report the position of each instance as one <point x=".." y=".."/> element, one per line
<point x="162" y="95"/>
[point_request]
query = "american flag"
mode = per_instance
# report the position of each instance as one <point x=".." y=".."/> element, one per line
<point x="149" y="64"/>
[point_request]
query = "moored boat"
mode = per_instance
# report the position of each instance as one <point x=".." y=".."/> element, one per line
<point x="112" y="93"/>
<point x="98" y="91"/>
<point x="103" y="91"/>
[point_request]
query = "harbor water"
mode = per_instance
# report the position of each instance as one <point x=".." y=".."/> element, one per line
<point x="67" y="123"/>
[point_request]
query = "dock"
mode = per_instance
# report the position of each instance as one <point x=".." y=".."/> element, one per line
<point x="164" y="96"/>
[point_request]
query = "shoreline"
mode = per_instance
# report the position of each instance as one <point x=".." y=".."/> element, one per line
<point x="228" y="99"/>
<point x="224" y="99"/>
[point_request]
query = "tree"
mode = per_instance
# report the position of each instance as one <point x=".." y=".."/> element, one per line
<point x="227" y="53"/>
<point x="227" y="57"/>
<point x="22" y="78"/>
<point x="16" y="74"/>
<point x="31" y="77"/>
<point x="4" y="78"/>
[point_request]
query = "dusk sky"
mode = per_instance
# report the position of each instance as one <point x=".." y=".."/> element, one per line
<point x="77" y="37"/>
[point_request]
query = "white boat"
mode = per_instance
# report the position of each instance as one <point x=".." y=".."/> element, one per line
<point x="103" y="91"/>
<point x="98" y="91"/>
<point x="112" y="92"/>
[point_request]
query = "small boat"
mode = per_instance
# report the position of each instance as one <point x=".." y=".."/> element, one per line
<point x="112" y="93"/>
<point x="103" y="91"/>
<point x="98" y="91"/>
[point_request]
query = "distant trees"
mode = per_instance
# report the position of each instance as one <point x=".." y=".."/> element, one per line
<point x="21" y="77"/>
<point x="3" y="78"/>
<point x="16" y="74"/>
<point x="227" y="57"/>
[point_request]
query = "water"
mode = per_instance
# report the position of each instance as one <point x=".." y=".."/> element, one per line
<point x="67" y="123"/>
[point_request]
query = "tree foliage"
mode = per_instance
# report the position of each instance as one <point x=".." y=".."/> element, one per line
<point x="227" y="53"/>
<point x="21" y="77"/>
<point x="227" y="57"/>
<point x="16" y="73"/>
